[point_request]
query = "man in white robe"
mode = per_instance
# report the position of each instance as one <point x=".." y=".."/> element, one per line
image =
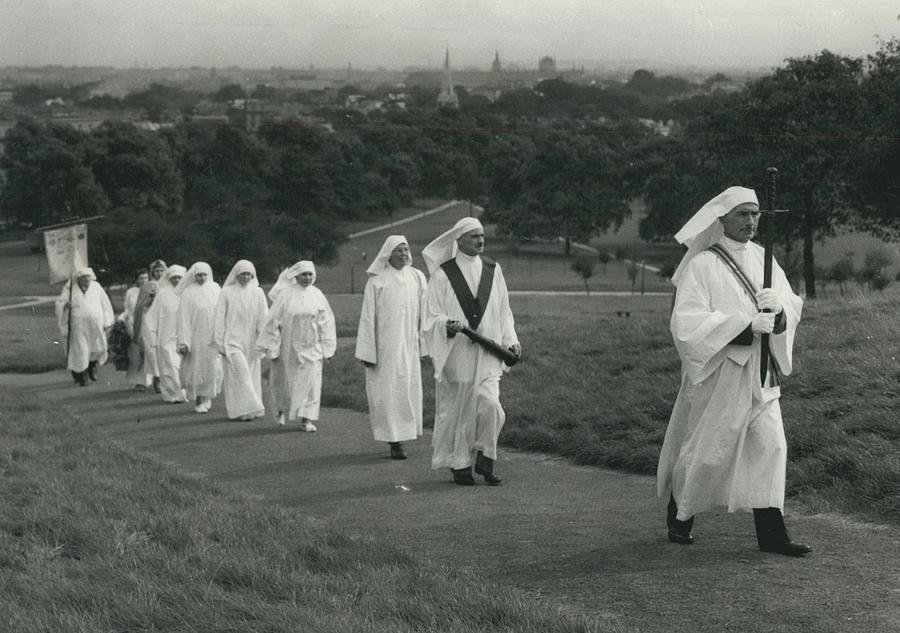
<point x="468" y="415"/>
<point x="299" y="335"/>
<point x="725" y="444"/>
<point x="84" y="315"/>
<point x="160" y="336"/>
<point x="389" y="344"/>
<point x="239" y="318"/>
<point x="201" y="367"/>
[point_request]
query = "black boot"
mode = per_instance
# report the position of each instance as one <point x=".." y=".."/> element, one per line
<point x="92" y="370"/>
<point x="156" y="387"/>
<point x="679" y="531"/>
<point x="772" y="536"/>
<point x="463" y="476"/>
<point x="484" y="466"/>
<point x="397" y="451"/>
<point x="78" y="377"/>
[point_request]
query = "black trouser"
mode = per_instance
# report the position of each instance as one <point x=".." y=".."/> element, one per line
<point x="770" y="529"/>
<point x="672" y="521"/>
<point x="769" y="522"/>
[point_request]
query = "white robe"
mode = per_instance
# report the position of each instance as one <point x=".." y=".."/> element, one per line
<point x="389" y="337"/>
<point x="239" y="318"/>
<point x="468" y="415"/>
<point x="725" y="444"/>
<point x="299" y="334"/>
<point x="92" y="314"/>
<point x="160" y="334"/>
<point x="201" y="367"/>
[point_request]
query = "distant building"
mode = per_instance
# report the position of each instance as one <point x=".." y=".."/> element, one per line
<point x="547" y="66"/>
<point x="496" y="67"/>
<point x="447" y="96"/>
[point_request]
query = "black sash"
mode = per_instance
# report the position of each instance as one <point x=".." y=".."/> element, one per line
<point x="750" y="288"/>
<point x="473" y="307"/>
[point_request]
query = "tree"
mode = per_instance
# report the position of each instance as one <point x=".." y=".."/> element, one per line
<point x="552" y="185"/>
<point x="48" y="177"/>
<point x="802" y="119"/>
<point x="229" y="92"/>
<point x="584" y="265"/>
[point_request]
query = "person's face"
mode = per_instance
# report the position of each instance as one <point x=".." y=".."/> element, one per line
<point x="174" y="279"/>
<point x="399" y="256"/>
<point x="200" y="278"/>
<point x="305" y="278"/>
<point x="471" y="243"/>
<point x="244" y="277"/>
<point x="740" y="223"/>
<point x="157" y="272"/>
<point x="142" y="279"/>
<point x="83" y="282"/>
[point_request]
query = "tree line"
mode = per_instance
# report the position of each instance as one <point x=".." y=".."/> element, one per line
<point x="560" y="159"/>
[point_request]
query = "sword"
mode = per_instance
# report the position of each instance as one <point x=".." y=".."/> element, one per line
<point x="769" y="246"/>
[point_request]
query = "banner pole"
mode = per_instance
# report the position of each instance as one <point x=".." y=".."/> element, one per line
<point x="69" y="325"/>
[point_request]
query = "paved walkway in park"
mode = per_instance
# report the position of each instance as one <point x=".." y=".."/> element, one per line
<point x="582" y="537"/>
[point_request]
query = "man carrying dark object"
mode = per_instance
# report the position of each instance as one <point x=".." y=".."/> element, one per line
<point x="725" y="444"/>
<point x="466" y="289"/>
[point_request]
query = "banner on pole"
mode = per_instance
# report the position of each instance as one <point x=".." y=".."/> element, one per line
<point x="66" y="251"/>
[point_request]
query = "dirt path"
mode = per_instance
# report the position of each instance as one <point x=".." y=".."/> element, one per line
<point x="582" y="537"/>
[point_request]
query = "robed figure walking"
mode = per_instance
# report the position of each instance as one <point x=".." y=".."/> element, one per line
<point x="389" y="343"/>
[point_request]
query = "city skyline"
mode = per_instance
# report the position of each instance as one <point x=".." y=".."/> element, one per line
<point x="401" y="34"/>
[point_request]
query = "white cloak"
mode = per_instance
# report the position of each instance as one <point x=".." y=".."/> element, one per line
<point x="299" y="334"/>
<point x="725" y="444"/>
<point x="160" y="334"/>
<point x="389" y="337"/>
<point x="468" y="415"/>
<point x="92" y="314"/>
<point x="239" y="318"/>
<point x="201" y="367"/>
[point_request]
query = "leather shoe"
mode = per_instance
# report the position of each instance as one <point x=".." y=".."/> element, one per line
<point x="682" y="537"/>
<point x="397" y="451"/>
<point x="489" y="477"/>
<point x="463" y="477"/>
<point x="788" y="548"/>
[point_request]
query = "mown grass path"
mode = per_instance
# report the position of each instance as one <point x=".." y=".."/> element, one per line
<point x="585" y="537"/>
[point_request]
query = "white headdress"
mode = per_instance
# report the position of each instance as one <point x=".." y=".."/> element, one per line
<point x="381" y="259"/>
<point x="86" y="271"/>
<point x="188" y="278"/>
<point x="288" y="277"/>
<point x="704" y="229"/>
<point x="443" y="247"/>
<point x="242" y="266"/>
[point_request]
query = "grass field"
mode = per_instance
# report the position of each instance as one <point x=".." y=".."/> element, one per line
<point x="94" y="537"/>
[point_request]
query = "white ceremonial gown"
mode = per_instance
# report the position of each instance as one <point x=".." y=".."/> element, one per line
<point x="725" y="444"/>
<point x="389" y="337"/>
<point x="239" y="318"/>
<point x="92" y="313"/>
<point x="201" y="367"/>
<point x="468" y="415"/>
<point x="160" y="333"/>
<point x="146" y="342"/>
<point x="299" y="334"/>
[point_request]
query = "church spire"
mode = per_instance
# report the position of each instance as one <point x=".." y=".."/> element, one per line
<point x="447" y="97"/>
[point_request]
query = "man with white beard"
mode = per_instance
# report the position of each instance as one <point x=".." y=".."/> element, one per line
<point x="468" y="415"/>
<point x="725" y="444"/>
<point x="84" y="304"/>
<point x="389" y="344"/>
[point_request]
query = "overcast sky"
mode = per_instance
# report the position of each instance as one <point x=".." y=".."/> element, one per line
<point x="398" y="33"/>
